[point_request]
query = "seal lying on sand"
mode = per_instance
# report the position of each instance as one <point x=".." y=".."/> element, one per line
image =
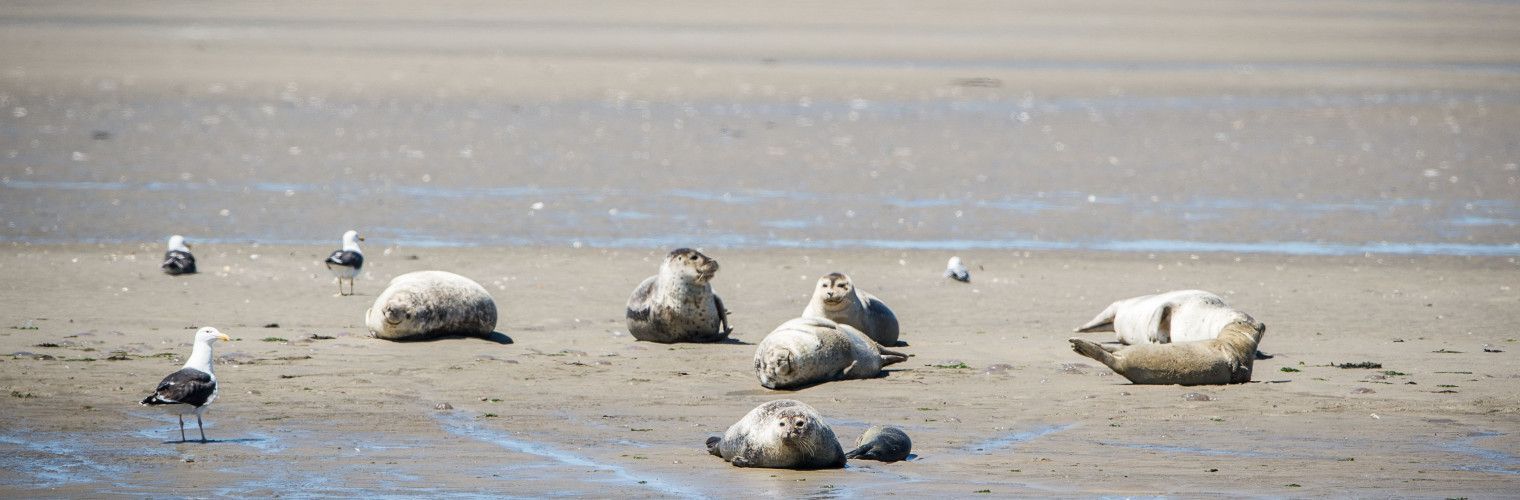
<point x="427" y="304"/>
<point x="807" y="351"/>
<point x="678" y="305"/>
<point x="781" y="434"/>
<point x="1178" y="316"/>
<point x="837" y="299"/>
<point x="887" y="444"/>
<point x="1226" y="359"/>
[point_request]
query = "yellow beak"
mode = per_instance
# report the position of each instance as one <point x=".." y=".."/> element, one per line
<point x="223" y="337"/>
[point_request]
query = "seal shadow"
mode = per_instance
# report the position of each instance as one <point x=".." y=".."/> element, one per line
<point x="495" y="336"/>
<point x="883" y="374"/>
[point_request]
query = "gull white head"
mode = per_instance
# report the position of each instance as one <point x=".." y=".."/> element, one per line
<point x="177" y="242"/>
<point x="955" y="262"/>
<point x="200" y="353"/>
<point x="207" y="335"/>
<point x="351" y="241"/>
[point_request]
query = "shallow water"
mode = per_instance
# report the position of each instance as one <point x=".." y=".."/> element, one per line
<point x="730" y="175"/>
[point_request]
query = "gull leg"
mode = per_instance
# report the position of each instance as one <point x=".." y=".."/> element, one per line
<point x="181" y="428"/>
<point x="202" y="426"/>
<point x="340" y="286"/>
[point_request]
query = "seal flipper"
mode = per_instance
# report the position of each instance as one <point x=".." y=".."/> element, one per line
<point x="1103" y="322"/>
<point x="723" y="327"/>
<point x="892" y="357"/>
<point x="1093" y="350"/>
<point x="866" y="451"/>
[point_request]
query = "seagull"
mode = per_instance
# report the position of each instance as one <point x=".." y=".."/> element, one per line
<point x="192" y="388"/>
<point x="957" y="271"/>
<point x="178" y="260"/>
<point x="345" y="263"/>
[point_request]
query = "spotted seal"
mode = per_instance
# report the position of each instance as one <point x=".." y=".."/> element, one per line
<point x="806" y="351"/>
<point x="837" y="299"/>
<point x="781" y="434"/>
<point x="678" y="304"/>
<point x="886" y="444"/>
<point x="1225" y="359"/>
<point x="426" y="304"/>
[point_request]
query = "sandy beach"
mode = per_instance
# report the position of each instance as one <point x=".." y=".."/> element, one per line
<point x="1344" y="171"/>
<point x="574" y="406"/>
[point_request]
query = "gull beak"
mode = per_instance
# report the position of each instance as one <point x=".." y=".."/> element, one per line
<point x="223" y="337"/>
<point x="361" y="238"/>
<point x="187" y="245"/>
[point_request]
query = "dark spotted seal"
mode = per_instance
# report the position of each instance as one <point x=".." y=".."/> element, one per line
<point x="887" y="444"/>
<point x="678" y="305"/>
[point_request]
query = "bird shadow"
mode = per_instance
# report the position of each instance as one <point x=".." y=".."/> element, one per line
<point x="217" y="441"/>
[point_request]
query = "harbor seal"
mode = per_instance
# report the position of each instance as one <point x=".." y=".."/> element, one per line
<point x="806" y="351"/>
<point x="838" y="300"/>
<point x="886" y="444"/>
<point x="781" y="434"/>
<point x="1226" y="359"/>
<point x="427" y="304"/>
<point x="678" y="305"/>
<point x="1177" y="316"/>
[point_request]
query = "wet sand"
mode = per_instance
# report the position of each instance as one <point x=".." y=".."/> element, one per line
<point x="574" y="406"/>
<point x="1344" y="171"/>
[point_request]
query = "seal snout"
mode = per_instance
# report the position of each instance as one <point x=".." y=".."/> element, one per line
<point x="793" y="425"/>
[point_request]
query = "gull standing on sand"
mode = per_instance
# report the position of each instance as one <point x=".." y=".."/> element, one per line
<point x="192" y="388"/>
<point x="957" y="271"/>
<point x="345" y="263"/>
<point x="178" y="260"/>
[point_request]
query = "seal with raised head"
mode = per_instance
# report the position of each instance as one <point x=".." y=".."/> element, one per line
<point x="887" y="444"/>
<point x="678" y="305"/>
<point x="781" y="434"/>
<point x="1225" y="359"/>
<point x="837" y="299"/>
<point x="1177" y="316"/>
<point x="807" y="351"/>
<point x="427" y="304"/>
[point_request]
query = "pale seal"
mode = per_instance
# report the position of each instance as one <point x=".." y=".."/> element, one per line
<point x="678" y="305"/>
<point x="837" y="299"/>
<point x="426" y="304"/>
<point x="781" y="434"/>
<point x="807" y="351"/>
<point x="1177" y="316"/>
<point x="887" y="444"/>
<point x="1226" y="359"/>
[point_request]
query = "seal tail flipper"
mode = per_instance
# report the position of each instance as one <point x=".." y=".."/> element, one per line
<point x="1092" y="350"/>
<point x="863" y="451"/>
<point x="1103" y="322"/>
<point x="892" y="357"/>
<point x="712" y="445"/>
